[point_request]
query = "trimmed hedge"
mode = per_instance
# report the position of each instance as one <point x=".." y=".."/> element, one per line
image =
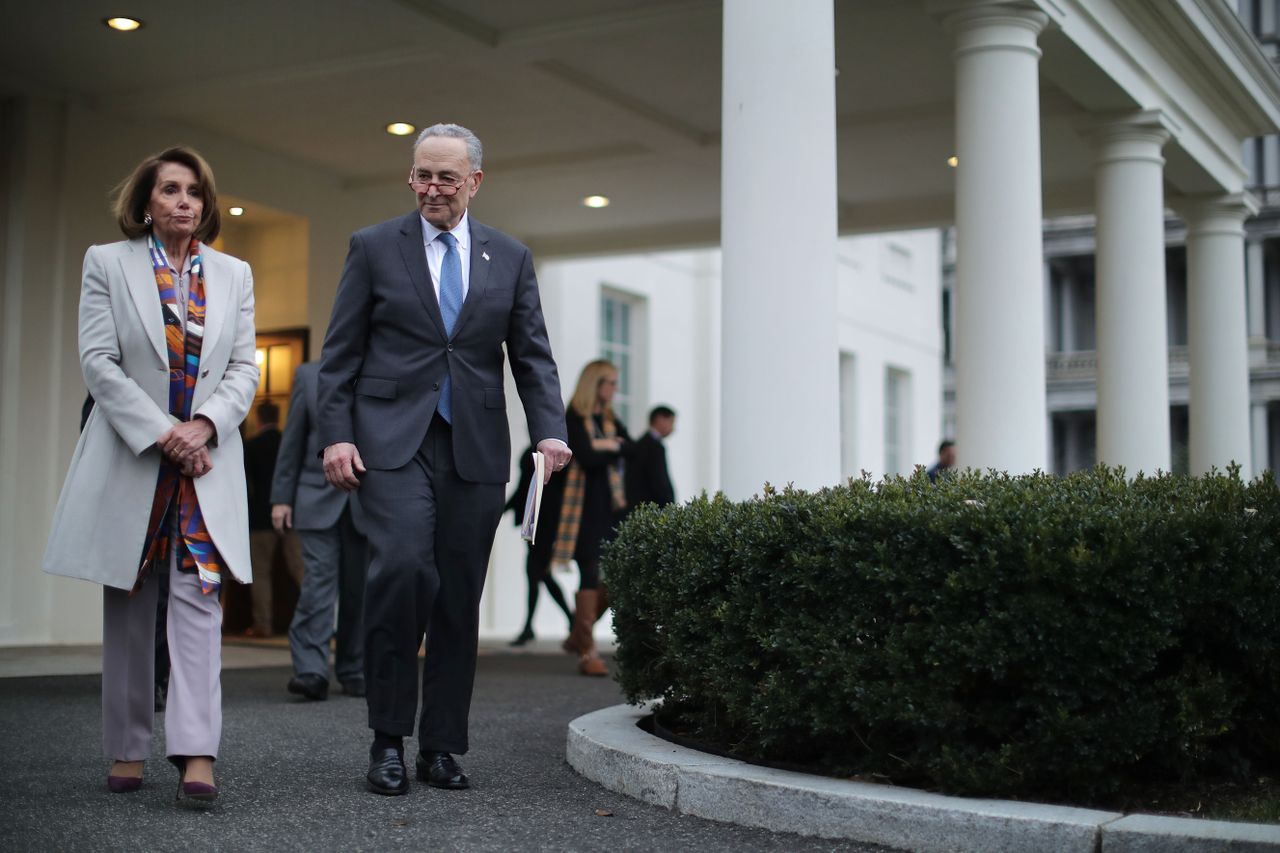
<point x="989" y="635"/>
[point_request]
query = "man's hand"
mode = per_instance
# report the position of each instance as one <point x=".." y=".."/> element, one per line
<point x="342" y="465"/>
<point x="281" y="517"/>
<point x="184" y="439"/>
<point x="558" y="455"/>
<point x="197" y="464"/>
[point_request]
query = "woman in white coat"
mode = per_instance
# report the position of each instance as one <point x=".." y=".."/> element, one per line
<point x="157" y="480"/>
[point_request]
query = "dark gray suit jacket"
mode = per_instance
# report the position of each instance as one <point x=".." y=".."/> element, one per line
<point x="386" y="352"/>
<point x="299" y="479"/>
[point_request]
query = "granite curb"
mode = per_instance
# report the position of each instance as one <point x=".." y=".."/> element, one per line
<point x="608" y="748"/>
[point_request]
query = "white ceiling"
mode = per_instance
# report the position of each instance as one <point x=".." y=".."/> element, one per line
<point x="571" y="98"/>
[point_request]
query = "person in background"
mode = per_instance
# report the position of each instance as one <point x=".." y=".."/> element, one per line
<point x="166" y="333"/>
<point x="537" y="563"/>
<point x="594" y="501"/>
<point x="334" y="551"/>
<point x="946" y="461"/>
<point x="648" y="480"/>
<point x="264" y="540"/>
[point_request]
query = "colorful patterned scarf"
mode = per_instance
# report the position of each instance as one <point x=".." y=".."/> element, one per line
<point x="575" y="487"/>
<point x="175" y="507"/>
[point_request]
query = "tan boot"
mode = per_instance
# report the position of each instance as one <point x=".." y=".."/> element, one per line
<point x="588" y="611"/>
<point x="584" y="614"/>
<point x="591" y="664"/>
<point x="602" y="602"/>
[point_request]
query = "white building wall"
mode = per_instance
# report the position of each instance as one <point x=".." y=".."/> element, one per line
<point x="890" y="317"/>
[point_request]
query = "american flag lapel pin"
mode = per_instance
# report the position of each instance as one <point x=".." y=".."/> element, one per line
<point x="484" y="255"/>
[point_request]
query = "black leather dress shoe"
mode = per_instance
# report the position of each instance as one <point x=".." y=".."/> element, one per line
<point x="387" y="774"/>
<point x="439" y="770"/>
<point x="353" y="687"/>
<point x="310" y="685"/>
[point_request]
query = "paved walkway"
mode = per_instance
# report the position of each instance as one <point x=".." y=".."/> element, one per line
<point x="292" y="775"/>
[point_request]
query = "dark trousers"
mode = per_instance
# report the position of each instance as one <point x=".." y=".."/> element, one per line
<point x="430" y="533"/>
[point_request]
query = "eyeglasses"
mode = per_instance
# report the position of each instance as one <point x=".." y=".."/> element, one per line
<point x="418" y="183"/>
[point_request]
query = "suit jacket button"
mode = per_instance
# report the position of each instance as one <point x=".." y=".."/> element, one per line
<point x="204" y="373"/>
<point x="435" y="386"/>
<point x="449" y="348"/>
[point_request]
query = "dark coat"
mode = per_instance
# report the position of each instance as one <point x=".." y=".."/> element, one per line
<point x="599" y="518"/>
<point x="259" y="469"/>
<point x="648" y="480"/>
<point x="299" y="479"/>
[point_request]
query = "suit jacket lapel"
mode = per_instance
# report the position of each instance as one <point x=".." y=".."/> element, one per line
<point x="478" y="282"/>
<point x="415" y="260"/>
<point x="140" y="278"/>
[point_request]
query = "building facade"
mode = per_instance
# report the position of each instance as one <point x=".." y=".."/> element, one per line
<point x="1071" y="306"/>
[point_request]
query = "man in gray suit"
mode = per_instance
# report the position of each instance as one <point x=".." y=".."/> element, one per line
<point x="413" y="414"/>
<point x="333" y="550"/>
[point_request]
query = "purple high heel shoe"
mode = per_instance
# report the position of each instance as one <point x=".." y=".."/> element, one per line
<point x="123" y="784"/>
<point x="199" y="792"/>
<point x="194" y="793"/>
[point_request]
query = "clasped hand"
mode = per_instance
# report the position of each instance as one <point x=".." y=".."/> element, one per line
<point x="185" y="445"/>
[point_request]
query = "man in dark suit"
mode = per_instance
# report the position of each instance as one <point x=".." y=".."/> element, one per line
<point x="259" y="467"/>
<point x="334" y="552"/>
<point x="648" y="480"/>
<point x="946" y="461"/>
<point x="413" y="414"/>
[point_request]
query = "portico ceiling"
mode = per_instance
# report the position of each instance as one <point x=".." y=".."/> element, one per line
<point x="622" y="97"/>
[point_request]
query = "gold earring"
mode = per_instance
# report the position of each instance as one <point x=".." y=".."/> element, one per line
<point x="146" y="219"/>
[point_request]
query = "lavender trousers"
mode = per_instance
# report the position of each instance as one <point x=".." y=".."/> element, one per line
<point x="193" y="711"/>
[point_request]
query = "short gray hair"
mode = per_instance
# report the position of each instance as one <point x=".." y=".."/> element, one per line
<point x="475" y="151"/>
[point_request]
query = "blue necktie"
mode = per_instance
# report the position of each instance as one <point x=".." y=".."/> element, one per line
<point x="450" y="306"/>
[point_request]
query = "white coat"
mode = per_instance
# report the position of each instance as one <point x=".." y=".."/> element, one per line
<point x="101" y="518"/>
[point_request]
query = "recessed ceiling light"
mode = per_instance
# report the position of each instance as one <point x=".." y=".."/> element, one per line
<point x="124" y="25"/>
<point x="953" y="161"/>
<point x="596" y="201"/>
<point x="236" y="211"/>
<point x="400" y="128"/>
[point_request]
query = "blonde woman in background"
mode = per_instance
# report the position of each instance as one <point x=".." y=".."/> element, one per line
<point x="594" y="500"/>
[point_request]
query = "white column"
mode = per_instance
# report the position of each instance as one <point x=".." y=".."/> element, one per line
<point x="999" y="295"/>
<point x="1132" y="345"/>
<point x="1217" y="333"/>
<point x="1256" y="284"/>
<point x="1260" y="437"/>
<point x="780" y="368"/>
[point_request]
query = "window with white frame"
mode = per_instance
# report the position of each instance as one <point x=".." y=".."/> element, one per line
<point x="618" y="343"/>
<point x="897" y="419"/>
